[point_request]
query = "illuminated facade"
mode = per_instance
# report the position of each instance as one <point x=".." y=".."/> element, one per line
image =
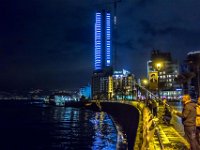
<point x="86" y="91"/>
<point x="102" y="40"/>
<point x="101" y="81"/>
<point x="123" y="82"/>
<point x="118" y="86"/>
<point x="102" y="84"/>
<point x="168" y="88"/>
<point x="60" y="99"/>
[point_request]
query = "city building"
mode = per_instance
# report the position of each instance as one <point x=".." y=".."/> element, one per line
<point x="60" y="99"/>
<point x="123" y="85"/>
<point x="162" y="71"/>
<point x="86" y="91"/>
<point x="103" y="43"/>
<point x="193" y="68"/>
<point x="101" y="84"/>
<point x="102" y="56"/>
<point x="106" y="83"/>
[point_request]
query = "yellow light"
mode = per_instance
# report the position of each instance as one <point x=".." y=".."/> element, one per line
<point x="158" y="66"/>
<point x="145" y="81"/>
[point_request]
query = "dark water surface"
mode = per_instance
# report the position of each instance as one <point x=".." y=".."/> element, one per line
<point x="35" y="126"/>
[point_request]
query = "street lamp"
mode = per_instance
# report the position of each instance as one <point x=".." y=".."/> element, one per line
<point x="145" y="83"/>
<point x="159" y="66"/>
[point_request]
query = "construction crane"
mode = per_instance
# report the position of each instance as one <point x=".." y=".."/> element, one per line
<point x="114" y="2"/>
<point x="115" y="10"/>
<point x="115" y="34"/>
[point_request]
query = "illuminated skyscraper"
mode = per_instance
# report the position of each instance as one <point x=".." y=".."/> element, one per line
<point x="102" y="40"/>
<point x="103" y="56"/>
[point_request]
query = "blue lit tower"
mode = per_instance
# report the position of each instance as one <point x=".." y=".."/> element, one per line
<point x="103" y="40"/>
<point x="103" y="56"/>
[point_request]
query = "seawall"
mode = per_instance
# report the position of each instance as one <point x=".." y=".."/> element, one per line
<point x="127" y="116"/>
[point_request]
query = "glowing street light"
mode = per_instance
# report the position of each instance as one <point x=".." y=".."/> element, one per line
<point x="145" y="82"/>
<point x="159" y="66"/>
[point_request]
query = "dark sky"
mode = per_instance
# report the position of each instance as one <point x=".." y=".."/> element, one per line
<point x="49" y="43"/>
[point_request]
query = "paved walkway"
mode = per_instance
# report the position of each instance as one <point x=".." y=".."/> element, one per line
<point x="172" y="136"/>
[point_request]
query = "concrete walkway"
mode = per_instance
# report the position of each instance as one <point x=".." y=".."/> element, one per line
<point x="172" y="136"/>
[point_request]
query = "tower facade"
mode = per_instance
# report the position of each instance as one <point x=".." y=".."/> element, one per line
<point x="102" y="56"/>
<point x="103" y="43"/>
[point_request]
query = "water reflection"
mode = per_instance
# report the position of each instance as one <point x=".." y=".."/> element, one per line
<point x="103" y="125"/>
<point x="40" y="127"/>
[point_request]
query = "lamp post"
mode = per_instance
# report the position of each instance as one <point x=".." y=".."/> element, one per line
<point x="159" y="66"/>
<point x="198" y="79"/>
<point x="145" y="83"/>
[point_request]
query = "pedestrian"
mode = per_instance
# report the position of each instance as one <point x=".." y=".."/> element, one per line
<point x="164" y="102"/>
<point x="188" y="116"/>
<point x="155" y="108"/>
<point x="198" y="121"/>
<point x="167" y="113"/>
<point x="167" y="116"/>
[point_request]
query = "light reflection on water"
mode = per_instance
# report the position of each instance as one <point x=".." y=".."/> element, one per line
<point x="95" y="130"/>
<point x="48" y="128"/>
<point x="103" y="125"/>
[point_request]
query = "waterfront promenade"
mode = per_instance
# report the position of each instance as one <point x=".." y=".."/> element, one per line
<point x="153" y="133"/>
<point x="145" y="132"/>
<point x="172" y="135"/>
<point x="165" y="137"/>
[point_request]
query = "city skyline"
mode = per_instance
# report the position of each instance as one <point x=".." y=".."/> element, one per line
<point x="50" y="44"/>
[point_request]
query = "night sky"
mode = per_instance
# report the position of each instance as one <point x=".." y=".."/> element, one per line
<point x="48" y="44"/>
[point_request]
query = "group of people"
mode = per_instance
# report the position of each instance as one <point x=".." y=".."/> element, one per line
<point x="190" y="118"/>
<point x="191" y="121"/>
<point x="153" y="106"/>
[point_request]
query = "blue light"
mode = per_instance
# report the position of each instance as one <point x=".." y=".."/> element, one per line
<point x="178" y="89"/>
<point x="108" y="40"/>
<point x="102" y="48"/>
<point x="98" y="59"/>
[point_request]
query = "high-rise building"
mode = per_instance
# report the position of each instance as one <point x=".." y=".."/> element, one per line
<point x="166" y="70"/>
<point x="103" y="43"/>
<point x="103" y="56"/>
<point x="193" y="68"/>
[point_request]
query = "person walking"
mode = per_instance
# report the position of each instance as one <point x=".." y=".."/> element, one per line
<point x="198" y="121"/>
<point x="188" y="116"/>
